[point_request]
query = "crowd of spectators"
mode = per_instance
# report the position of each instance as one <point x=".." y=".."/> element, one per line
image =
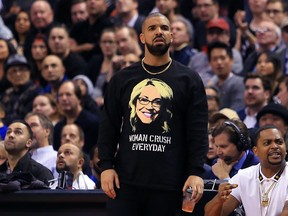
<point x="58" y="56"/>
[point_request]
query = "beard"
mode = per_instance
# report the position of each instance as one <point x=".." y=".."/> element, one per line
<point x="158" y="50"/>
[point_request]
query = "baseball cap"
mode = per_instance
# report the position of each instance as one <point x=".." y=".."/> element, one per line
<point x="276" y="109"/>
<point x="14" y="60"/>
<point x="225" y="113"/>
<point x="218" y="23"/>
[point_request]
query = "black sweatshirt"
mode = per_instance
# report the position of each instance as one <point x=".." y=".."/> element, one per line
<point x="162" y="132"/>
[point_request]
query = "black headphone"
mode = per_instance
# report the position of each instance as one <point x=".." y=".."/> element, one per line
<point x="243" y="143"/>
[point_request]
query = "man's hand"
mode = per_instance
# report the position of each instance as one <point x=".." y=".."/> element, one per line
<point x="225" y="190"/>
<point x="222" y="169"/>
<point x="108" y="179"/>
<point x="197" y="185"/>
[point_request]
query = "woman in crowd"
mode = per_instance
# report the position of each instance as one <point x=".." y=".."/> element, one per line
<point x="21" y="29"/>
<point x="268" y="65"/>
<point x="100" y="68"/>
<point x="39" y="50"/>
<point x="6" y="49"/>
<point x="47" y="105"/>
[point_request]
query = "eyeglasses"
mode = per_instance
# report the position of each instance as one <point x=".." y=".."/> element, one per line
<point x="14" y="70"/>
<point x="211" y="97"/>
<point x="274" y="11"/>
<point x="204" y="5"/>
<point x="262" y="30"/>
<point x="156" y="103"/>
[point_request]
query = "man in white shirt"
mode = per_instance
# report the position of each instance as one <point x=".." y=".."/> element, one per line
<point x="42" y="149"/>
<point x="261" y="189"/>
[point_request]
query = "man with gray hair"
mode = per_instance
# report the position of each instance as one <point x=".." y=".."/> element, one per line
<point x="42" y="149"/>
<point x="182" y="37"/>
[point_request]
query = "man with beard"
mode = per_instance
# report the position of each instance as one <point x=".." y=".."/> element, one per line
<point x="256" y="95"/>
<point x="165" y="157"/>
<point x="261" y="189"/>
<point x="41" y="149"/>
<point x="70" y="159"/>
<point x="17" y="142"/>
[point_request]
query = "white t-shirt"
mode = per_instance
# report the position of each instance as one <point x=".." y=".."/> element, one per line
<point x="249" y="190"/>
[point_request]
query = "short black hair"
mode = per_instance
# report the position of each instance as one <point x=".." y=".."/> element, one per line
<point x="218" y="44"/>
<point x="27" y="126"/>
<point x="266" y="127"/>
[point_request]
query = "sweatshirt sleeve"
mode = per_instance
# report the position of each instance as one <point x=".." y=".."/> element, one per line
<point x="197" y="123"/>
<point x="110" y="126"/>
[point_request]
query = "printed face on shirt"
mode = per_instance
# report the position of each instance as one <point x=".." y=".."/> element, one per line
<point x="226" y="150"/>
<point x="148" y="104"/>
<point x="69" y="158"/>
<point x="156" y="35"/>
<point x="270" y="148"/>
<point x="151" y="100"/>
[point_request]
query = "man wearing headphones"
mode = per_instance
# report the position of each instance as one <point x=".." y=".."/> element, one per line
<point x="233" y="149"/>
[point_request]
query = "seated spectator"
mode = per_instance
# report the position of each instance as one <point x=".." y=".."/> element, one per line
<point x="100" y="67"/>
<point x="6" y="49"/>
<point x="212" y="153"/>
<point x="232" y="143"/>
<point x="70" y="158"/>
<point x="86" y="88"/>
<point x="69" y="99"/>
<point x="39" y="51"/>
<point x="17" y="142"/>
<point x="268" y="65"/>
<point x="221" y="116"/>
<point x="72" y="133"/>
<point x="79" y="12"/>
<point x="53" y="72"/>
<point x="217" y="30"/>
<point x="183" y="33"/>
<point x="3" y="153"/>
<point x="18" y="99"/>
<point x="96" y="171"/>
<point x="212" y="100"/>
<point x="257" y="94"/>
<point x="128" y="60"/>
<point x="21" y="29"/>
<point x="250" y="187"/>
<point x="274" y="114"/>
<point x="3" y="127"/>
<point x="41" y="149"/>
<point x="229" y="85"/>
<point x="59" y="45"/>
<point x="47" y="105"/>
<point x="282" y="95"/>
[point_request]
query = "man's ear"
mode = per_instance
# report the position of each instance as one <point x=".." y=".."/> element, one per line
<point x="142" y="38"/>
<point x="81" y="162"/>
<point x="29" y="143"/>
<point x="254" y="149"/>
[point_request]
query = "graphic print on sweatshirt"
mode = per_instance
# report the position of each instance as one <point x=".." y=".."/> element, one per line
<point x="150" y="114"/>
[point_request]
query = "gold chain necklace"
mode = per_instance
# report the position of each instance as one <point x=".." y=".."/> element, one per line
<point x="166" y="68"/>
